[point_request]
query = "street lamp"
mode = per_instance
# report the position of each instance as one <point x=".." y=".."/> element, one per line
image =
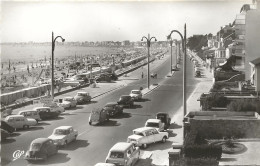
<point x="171" y="41"/>
<point x="184" y="67"/>
<point x="52" y="62"/>
<point x="148" y="66"/>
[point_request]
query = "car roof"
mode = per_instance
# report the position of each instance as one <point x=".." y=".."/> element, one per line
<point x="63" y="127"/>
<point x="40" y="140"/>
<point x="121" y="146"/>
<point x="125" y="96"/>
<point x="68" y="97"/>
<point x="142" y="129"/>
<point x="136" y="90"/>
<point x="104" y="164"/>
<point x="161" y="113"/>
<point x="40" y="107"/>
<point x="82" y="92"/>
<point x="111" y="103"/>
<point x="26" y="111"/>
<point x="153" y="120"/>
<point x="14" y="116"/>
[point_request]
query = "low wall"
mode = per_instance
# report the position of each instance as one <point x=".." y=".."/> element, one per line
<point x="215" y="129"/>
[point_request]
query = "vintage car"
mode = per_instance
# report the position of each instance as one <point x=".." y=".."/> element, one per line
<point x="40" y="149"/>
<point x="54" y="107"/>
<point x="46" y="113"/>
<point x="147" y="135"/>
<point x="82" y="97"/>
<point x="136" y="94"/>
<point x="63" y="135"/>
<point x="4" y="134"/>
<point x="165" y="118"/>
<point x="113" y="108"/>
<point x="19" y="121"/>
<point x="155" y="123"/>
<point x="126" y="100"/>
<point x="68" y="102"/>
<point x="124" y="154"/>
<point x="33" y="114"/>
<point x="197" y="73"/>
<point x="103" y="78"/>
<point x="7" y="127"/>
<point x="98" y="116"/>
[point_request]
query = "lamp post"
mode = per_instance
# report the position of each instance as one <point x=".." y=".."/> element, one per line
<point x="52" y="62"/>
<point x="171" y="41"/>
<point x="184" y="67"/>
<point x="148" y="57"/>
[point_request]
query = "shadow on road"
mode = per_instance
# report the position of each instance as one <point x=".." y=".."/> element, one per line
<point x="76" y="144"/>
<point x="42" y="123"/>
<point x="175" y="126"/>
<point x="32" y="128"/>
<point x="171" y="133"/>
<point x="58" y="118"/>
<point x="14" y="134"/>
<point x="110" y="123"/>
<point x="223" y="159"/>
<point x="159" y="146"/>
<point x="8" y="141"/>
<point x="146" y="161"/>
<point x="55" y="159"/>
<point x="135" y="106"/>
<point x="123" y="115"/>
<point x="143" y="100"/>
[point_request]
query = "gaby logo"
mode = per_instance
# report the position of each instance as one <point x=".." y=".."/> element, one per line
<point x="17" y="154"/>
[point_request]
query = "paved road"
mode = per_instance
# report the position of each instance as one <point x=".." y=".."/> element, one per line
<point x="94" y="142"/>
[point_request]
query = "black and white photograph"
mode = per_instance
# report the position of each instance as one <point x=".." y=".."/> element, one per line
<point x="130" y="82"/>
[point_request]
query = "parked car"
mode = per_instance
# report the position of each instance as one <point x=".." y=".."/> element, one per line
<point x="146" y="135"/>
<point x="98" y="116"/>
<point x="113" y="76"/>
<point x="4" y="134"/>
<point x="154" y="75"/>
<point x="46" y="113"/>
<point x="126" y="100"/>
<point x="6" y="127"/>
<point x="33" y="114"/>
<point x="113" y="108"/>
<point x="103" y="77"/>
<point x="155" y="123"/>
<point x="54" y="107"/>
<point x="63" y="135"/>
<point x="68" y="102"/>
<point x="40" y="149"/>
<point x="82" y="97"/>
<point x="197" y="73"/>
<point x="124" y="154"/>
<point x="165" y="118"/>
<point x="19" y="121"/>
<point x="136" y="94"/>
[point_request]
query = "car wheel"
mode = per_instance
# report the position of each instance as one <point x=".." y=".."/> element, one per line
<point x="75" y="138"/>
<point x="144" y="146"/>
<point x="164" y="139"/>
<point x="89" y="122"/>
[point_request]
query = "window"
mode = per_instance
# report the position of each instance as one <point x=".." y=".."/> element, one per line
<point x="117" y="155"/>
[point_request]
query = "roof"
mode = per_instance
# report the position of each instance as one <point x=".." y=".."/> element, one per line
<point x="136" y="90"/>
<point x="39" y="107"/>
<point x="40" y="140"/>
<point x="121" y="146"/>
<point x="255" y="62"/>
<point x="82" y="92"/>
<point x="154" y="120"/>
<point x="142" y="129"/>
<point x="63" y="127"/>
<point x="111" y="103"/>
<point x="27" y="111"/>
<point x="68" y="97"/>
<point x="14" y="116"/>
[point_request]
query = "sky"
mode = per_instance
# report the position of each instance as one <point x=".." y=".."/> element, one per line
<point x="23" y="21"/>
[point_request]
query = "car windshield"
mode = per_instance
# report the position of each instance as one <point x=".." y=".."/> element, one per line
<point x="125" y="97"/>
<point x="138" y="133"/>
<point x="136" y="92"/>
<point x="152" y="124"/>
<point x="36" y="146"/>
<point x="117" y="155"/>
<point x="161" y="118"/>
<point x="67" y="99"/>
<point x="81" y="94"/>
<point x="61" y="132"/>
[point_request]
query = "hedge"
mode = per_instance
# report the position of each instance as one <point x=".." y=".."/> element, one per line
<point x="244" y="105"/>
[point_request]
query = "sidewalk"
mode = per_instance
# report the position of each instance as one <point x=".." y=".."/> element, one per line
<point x="160" y="157"/>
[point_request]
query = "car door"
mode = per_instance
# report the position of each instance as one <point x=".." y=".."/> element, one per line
<point x="135" y="154"/>
<point x="129" y="156"/>
<point x="149" y="137"/>
<point x="70" y="134"/>
<point x="11" y="121"/>
<point x="156" y="135"/>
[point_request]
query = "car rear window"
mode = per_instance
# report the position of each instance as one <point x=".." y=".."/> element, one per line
<point x="117" y="155"/>
<point x="151" y="124"/>
<point x="138" y="133"/>
<point x="36" y="146"/>
<point x="61" y="132"/>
